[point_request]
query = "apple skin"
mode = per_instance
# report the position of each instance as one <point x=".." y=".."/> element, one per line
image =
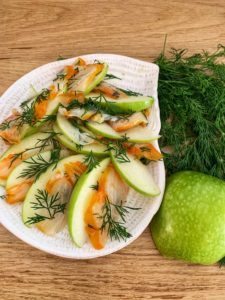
<point x="190" y="223"/>
<point x="135" y="174"/>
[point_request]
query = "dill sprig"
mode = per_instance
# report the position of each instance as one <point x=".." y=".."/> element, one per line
<point x="40" y="145"/>
<point x="111" y="76"/>
<point x="3" y="197"/>
<point x="91" y="161"/>
<point x="130" y="93"/>
<point x="37" y="166"/>
<point x="192" y="105"/>
<point x="95" y="104"/>
<point x="50" y="204"/>
<point x="116" y="229"/>
<point x="118" y="149"/>
<point x="95" y="186"/>
<point x="6" y="124"/>
<point x="60" y="57"/>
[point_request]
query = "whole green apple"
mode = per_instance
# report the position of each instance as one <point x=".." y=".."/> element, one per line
<point x="190" y="224"/>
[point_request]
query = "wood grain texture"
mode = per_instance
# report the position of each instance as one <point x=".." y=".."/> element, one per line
<point x="35" y="32"/>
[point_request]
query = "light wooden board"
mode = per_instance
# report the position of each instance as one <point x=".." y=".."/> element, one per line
<point x="35" y="32"/>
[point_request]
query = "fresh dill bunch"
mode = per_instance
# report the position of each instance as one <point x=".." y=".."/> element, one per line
<point x="192" y="105"/>
<point x="116" y="229"/>
<point x="50" y="204"/>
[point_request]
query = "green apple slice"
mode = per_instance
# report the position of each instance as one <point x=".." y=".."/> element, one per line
<point x="136" y="175"/>
<point x="79" y="200"/>
<point x="16" y="178"/>
<point x="30" y="210"/>
<point x="123" y="104"/>
<point x="103" y="129"/>
<point x="96" y="148"/>
<point x="140" y="134"/>
<point x="81" y="81"/>
<point x="73" y="133"/>
<point x="33" y="142"/>
<point x="52" y="108"/>
<point x="21" y="178"/>
<point x="137" y="134"/>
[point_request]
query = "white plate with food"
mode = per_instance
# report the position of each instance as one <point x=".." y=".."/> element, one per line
<point x="81" y="172"/>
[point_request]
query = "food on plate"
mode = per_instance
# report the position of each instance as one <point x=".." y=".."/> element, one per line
<point x="28" y="171"/>
<point x="29" y="146"/>
<point x="46" y="200"/>
<point x="78" y="147"/>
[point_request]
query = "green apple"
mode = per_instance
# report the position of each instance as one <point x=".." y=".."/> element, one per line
<point x="30" y="142"/>
<point x="123" y="105"/>
<point x="79" y="200"/>
<point x="96" y="148"/>
<point x="136" y="175"/>
<point x="103" y="129"/>
<point x="190" y="223"/>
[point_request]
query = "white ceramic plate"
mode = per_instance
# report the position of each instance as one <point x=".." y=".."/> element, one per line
<point x="136" y="75"/>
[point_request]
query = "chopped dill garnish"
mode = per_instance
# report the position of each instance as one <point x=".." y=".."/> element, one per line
<point x="91" y="161"/>
<point x="60" y="76"/>
<point x="96" y="61"/>
<point x="145" y="161"/>
<point x="118" y="149"/>
<point x="95" y="104"/>
<point x="49" y="203"/>
<point x="47" y="118"/>
<point x="95" y="186"/>
<point x="145" y="149"/>
<point x="116" y="229"/>
<point x="41" y="145"/>
<point x="3" y="197"/>
<point x="192" y="107"/>
<point x="6" y="124"/>
<point x="60" y="57"/>
<point x="130" y="93"/>
<point x="79" y="147"/>
<point x="111" y="76"/>
<point x="37" y="166"/>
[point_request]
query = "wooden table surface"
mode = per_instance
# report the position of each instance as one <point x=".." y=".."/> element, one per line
<point x="35" y="32"/>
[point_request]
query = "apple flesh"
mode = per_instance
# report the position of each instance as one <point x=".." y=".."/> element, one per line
<point x="190" y="224"/>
